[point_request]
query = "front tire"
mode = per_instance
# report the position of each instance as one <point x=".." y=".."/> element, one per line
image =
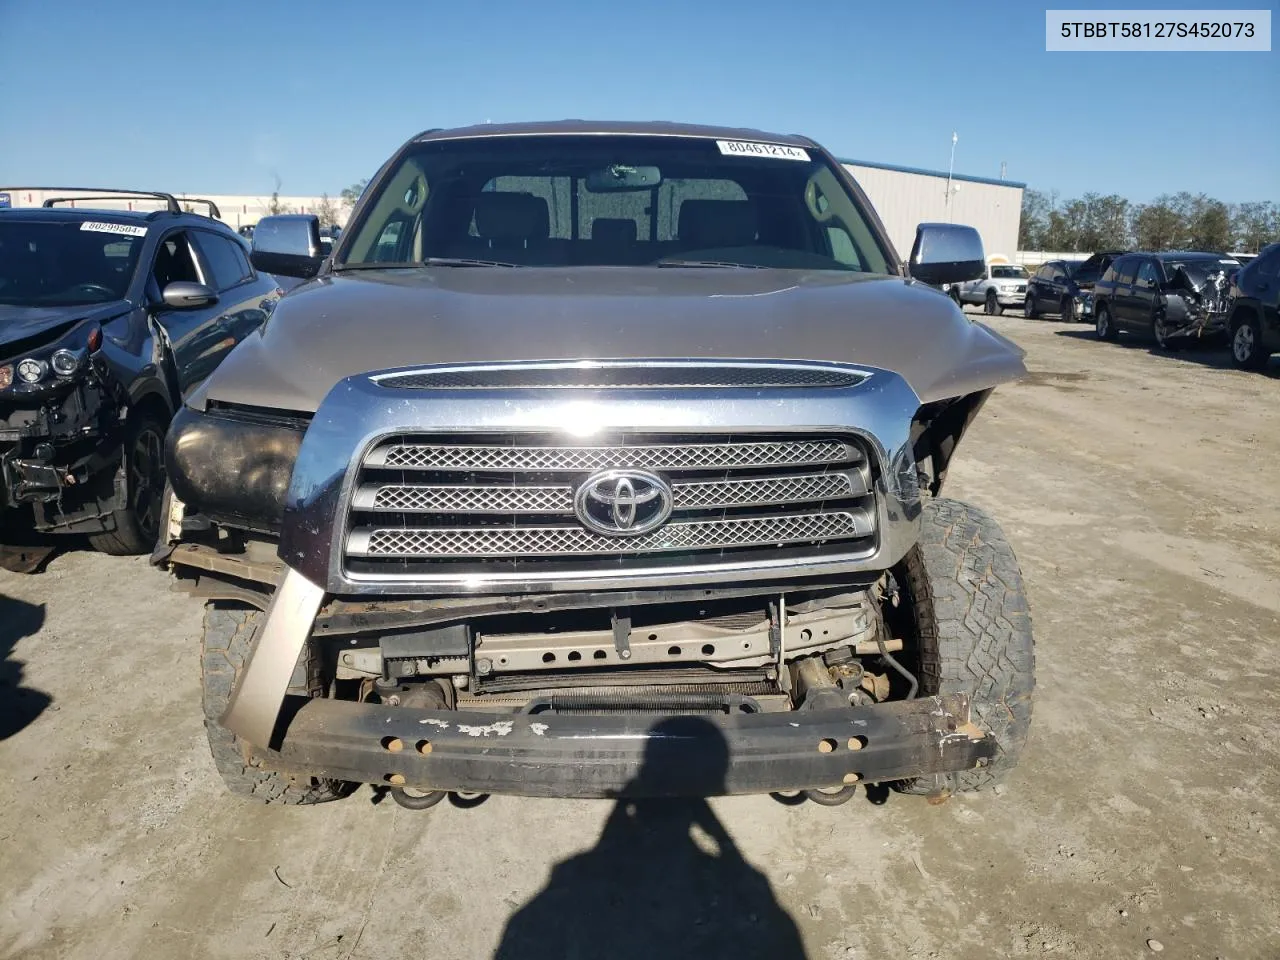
<point x="224" y="650"/>
<point x="1029" y="310"/>
<point x="1102" y="324"/>
<point x="1068" y="310"/>
<point x="1160" y="333"/>
<point x="973" y="631"/>
<point x="1247" y="352"/>
<point x="991" y="306"/>
<point x="137" y="522"/>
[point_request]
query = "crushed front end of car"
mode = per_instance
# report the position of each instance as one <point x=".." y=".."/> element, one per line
<point x="511" y="572"/>
<point x="58" y="428"/>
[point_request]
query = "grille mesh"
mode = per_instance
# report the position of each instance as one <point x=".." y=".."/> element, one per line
<point x="419" y="499"/>
<point x="427" y="542"/>
<point x="416" y="498"/>
<point x="702" y="456"/>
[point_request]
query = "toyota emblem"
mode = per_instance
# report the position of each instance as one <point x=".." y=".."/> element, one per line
<point x="623" y="503"/>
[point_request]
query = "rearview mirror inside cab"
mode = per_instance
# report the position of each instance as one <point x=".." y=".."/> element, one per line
<point x="946" y="253"/>
<point x="288" y="245"/>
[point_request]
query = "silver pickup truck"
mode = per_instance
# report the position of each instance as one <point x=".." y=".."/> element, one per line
<point x="1001" y="285"/>
<point x="602" y="459"/>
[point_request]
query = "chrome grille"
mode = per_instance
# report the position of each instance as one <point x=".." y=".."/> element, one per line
<point x="576" y="541"/>
<point x="703" y="495"/>
<point x="684" y="456"/>
<point x="470" y="504"/>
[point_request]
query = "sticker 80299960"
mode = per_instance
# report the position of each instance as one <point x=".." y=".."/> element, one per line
<point x="124" y="229"/>
<point x="747" y="148"/>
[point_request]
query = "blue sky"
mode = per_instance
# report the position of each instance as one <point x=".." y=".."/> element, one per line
<point x="223" y="97"/>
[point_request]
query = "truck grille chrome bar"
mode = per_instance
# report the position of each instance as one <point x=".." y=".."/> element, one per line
<point x="427" y="542"/>
<point x="683" y="456"/>
<point x="704" y="494"/>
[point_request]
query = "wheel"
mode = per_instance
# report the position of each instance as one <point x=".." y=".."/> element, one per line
<point x="1160" y="333"/>
<point x="137" y="522"/>
<point x="224" y="648"/>
<point x="1068" y="310"/>
<point x="1029" y="307"/>
<point x="991" y="306"/>
<point x="1102" y="322"/>
<point x="954" y="292"/>
<point x="1246" y="342"/>
<point x="972" y="629"/>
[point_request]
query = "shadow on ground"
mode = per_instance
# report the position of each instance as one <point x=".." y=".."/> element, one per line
<point x="1217" y="356"/>
<point x="19" y="705"/>
<point x="665" y="880"/>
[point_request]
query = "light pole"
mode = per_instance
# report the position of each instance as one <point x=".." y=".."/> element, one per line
<point x="950" y="168"/>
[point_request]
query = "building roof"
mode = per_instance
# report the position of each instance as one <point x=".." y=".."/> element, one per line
<point x="920" y="171"/>
<point x="72" y="214"/>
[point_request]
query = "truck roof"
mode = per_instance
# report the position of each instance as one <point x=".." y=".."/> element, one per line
<point x="650" y="128"/>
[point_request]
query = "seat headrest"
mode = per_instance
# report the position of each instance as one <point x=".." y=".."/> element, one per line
<point x="512" y="216"/>
<point x="717" y="223"/>
<point x="613" y="230"/>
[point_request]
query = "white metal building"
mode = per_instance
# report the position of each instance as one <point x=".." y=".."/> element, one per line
<point x="906" y="196"/>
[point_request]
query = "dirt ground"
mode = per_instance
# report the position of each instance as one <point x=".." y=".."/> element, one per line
<point x="1140" y="493"/>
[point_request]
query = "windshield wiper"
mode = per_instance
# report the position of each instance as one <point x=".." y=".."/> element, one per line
<point x="710" y="263"/>
<point x="465" y="262"/>
<point x="375" y="265"/>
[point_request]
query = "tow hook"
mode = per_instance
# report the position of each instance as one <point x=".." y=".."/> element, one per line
<point x="832" y="797"/>
<point x="416" y="800"/>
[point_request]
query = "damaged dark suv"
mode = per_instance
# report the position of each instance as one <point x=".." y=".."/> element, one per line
<point x="107" y="318"/>
<point x="592" y="446"/>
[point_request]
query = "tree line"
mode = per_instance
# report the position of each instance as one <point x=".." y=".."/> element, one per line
<point x="1180" y="221"/>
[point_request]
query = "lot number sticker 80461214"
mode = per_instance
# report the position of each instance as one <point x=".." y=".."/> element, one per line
<point x="745" y="148"/>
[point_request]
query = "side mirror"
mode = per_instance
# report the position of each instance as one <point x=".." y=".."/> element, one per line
<point x="288" y="245"/>
<point x="946" y="253"/>
<point x="186" y="295"/>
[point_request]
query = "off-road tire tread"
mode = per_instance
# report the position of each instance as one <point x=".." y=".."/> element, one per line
<point x="973" y="627"/>
<point x="224" y="649"/>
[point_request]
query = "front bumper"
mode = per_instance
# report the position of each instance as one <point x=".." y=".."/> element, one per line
<point x="631" y="755"/>
<point x="1011" y="298"/>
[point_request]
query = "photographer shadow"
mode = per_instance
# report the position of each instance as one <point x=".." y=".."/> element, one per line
<point x="19" y="705"/>
<point x="665" y="880"/>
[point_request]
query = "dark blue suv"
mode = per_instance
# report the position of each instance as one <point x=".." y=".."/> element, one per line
<point x="1254" y="322"/>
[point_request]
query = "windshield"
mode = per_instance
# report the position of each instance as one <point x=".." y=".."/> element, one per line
<point x="1084" y="272"/>
<point x="1198" y="269"/>
<point x="613" y="201"/>
<point x="66" y="263"/>
<point x="1009" y="272"/>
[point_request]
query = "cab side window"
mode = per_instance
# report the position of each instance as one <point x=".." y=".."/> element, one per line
<point x="225" y="259"/>
<point x="175" y="261"/>
<point x="1148" y="272"/>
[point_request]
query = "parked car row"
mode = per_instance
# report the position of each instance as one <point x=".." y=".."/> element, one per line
<point x="1177" y="298"/>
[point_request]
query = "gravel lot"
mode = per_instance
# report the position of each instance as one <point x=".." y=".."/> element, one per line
<point x="1140" y="494"/>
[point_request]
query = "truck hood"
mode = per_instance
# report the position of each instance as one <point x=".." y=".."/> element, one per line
<point x="19" y="325"/>
<point x="345" y="324"/>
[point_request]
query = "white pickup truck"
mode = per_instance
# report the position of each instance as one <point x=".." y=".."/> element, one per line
<point x="1005" y="285"/>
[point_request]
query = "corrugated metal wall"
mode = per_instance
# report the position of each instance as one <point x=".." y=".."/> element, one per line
<point x="904" y="200"/>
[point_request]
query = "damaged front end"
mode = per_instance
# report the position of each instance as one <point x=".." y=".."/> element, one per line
<point x="429" y="542"/>
<point x="59" y="420"/>
<point x="1197" y="301"/>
